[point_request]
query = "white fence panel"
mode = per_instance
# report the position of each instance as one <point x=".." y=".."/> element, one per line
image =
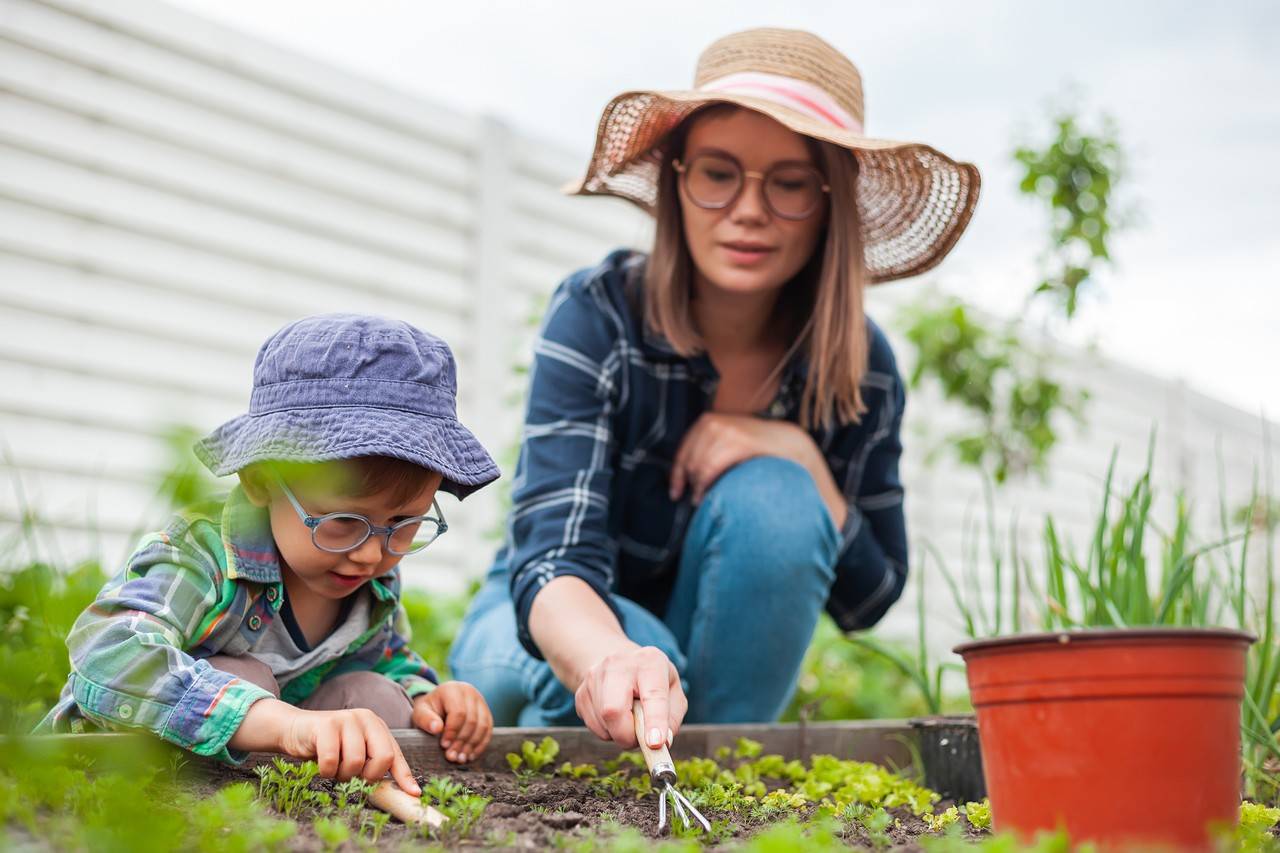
<point x="171" y="191"/>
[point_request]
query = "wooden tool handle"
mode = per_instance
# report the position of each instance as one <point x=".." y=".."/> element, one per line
<point x="405" y="807"/>
<point x="659" y="762"/>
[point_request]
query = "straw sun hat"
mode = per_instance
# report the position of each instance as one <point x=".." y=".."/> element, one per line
<point x="914" y="201"/>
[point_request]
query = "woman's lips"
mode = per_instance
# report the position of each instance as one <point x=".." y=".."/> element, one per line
<point x="746" y="254"/>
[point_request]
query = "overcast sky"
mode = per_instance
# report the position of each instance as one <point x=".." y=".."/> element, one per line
<point x="1194" y="86"/>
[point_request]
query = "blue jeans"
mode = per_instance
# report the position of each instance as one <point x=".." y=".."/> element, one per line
<point x="755" y="570"/>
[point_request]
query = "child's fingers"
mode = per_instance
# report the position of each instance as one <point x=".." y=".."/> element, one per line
<point x="427" y="717"/>
<point x="466" y="709"/>
<point x="353" y="751"/>
<point x="328" y="748"/>
<point x="380" y="752"/>
<point x="452" y="725"/>
<point x="483" y="730"/>
<point x="401" y="772"/>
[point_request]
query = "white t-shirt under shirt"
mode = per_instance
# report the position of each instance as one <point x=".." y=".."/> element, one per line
<point x="284" y="648"/>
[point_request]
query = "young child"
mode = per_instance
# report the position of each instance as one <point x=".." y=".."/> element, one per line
<point x="273" y="622"/>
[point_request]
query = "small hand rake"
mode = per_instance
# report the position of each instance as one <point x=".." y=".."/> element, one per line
<point x="662" y="773"/>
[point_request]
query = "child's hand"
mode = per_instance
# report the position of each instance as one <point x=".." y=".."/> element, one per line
<point x="458" y="713"/>
<point x="346" y="744"/>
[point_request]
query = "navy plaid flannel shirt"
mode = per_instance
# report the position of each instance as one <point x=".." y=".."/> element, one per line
<point x="609" y="402"/>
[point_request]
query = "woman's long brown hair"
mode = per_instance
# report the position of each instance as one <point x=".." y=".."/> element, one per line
<point x="824" y="300"/>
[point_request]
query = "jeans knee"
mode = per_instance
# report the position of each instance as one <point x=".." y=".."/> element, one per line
<point x="769" y="512"/>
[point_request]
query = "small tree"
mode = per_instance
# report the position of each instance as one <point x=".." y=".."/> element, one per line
<point x="989" y="369"/>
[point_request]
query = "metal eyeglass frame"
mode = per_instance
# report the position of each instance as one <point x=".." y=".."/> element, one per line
<point x="682" y="169"/>
<point x="313" y="523"/>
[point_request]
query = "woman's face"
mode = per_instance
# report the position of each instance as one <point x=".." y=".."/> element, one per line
<point x="745" y="247"/>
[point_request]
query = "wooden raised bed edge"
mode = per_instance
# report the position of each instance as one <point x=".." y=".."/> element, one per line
<point x="896" y="744"/>
<point x="886" y="742"/>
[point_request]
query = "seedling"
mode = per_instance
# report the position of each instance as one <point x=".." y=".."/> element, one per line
<point x="457" y="803"/>
<point x="532" y="758"/>
<point x="570" y="770"/>
<point x="332" y="832"/>
<point x="978" y="814"/>
<point x="287" y="787"/>
<point x="940" y="821"/>
<point x="371" y="826"/>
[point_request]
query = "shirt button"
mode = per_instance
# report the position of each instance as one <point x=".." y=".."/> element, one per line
<point x="271" y="593"/>
<point x="777" y="409"/>
<point x="255" y="622"/>
<point x="125" y="711"/>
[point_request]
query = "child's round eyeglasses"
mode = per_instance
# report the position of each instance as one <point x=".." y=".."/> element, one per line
<point x="340" y="532"/>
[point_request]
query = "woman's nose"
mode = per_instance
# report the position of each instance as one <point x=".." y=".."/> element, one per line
<point x="750" y="204"/>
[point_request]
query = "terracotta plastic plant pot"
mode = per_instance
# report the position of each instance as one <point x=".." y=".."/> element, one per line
<point x="1118" y="736"/>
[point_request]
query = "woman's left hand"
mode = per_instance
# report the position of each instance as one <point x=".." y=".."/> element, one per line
<point x="716" y="442"/>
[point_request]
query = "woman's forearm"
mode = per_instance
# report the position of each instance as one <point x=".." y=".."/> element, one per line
<point x="574" y="629"/>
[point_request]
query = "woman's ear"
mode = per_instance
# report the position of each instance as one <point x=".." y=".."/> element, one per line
<point x="254" y="482"/>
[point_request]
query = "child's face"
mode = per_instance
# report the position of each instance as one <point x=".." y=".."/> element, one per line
<point x="327" y="574"/>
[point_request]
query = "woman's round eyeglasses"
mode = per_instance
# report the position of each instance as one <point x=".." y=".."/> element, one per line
<point x="714" y="180"/>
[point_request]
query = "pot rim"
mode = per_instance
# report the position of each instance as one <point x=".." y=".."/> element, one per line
<point x="1095" y="635"/>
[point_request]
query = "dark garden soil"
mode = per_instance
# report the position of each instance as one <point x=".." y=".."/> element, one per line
<point x="549" y="812"/>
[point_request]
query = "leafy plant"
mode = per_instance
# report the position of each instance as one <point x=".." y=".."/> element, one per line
<point x="434" y="622"/>
<point x="455" y="801"/>
<point x="332" y="832"/>
<point x="534" y="757"/>
<point x="371" y="825"/>
<point x="51" y="797"/>
<point x="978" y="814"/>
<point x="287" y="787"/>
<point x="997" y="378"/>
<point x="569" y="770"/>
<point x="1135" y="570"/>
<point x="989" y="370"/>
<point x="941" y="820"/>
<point x="876" y="821"/>
<point x="38" y="605"/>
<point x="1075" y="175"/>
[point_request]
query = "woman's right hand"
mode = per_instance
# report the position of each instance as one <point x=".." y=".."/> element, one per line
<point x="609" y="687"/>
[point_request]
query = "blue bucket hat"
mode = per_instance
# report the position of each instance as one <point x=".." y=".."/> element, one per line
<point x="338" y="386"/>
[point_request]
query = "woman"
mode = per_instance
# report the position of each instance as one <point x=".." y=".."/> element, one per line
<point x="711" y="446"/>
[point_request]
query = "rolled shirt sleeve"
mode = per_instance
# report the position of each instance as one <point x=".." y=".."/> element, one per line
<point x="129" y="667"/>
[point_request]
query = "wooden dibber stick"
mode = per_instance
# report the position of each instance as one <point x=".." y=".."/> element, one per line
<point x="404" y="807"/>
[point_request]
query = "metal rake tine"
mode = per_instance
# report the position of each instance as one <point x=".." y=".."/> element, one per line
<point x="675" y="798"/>
<point x="690" y="806"/>
<point x="662" y="810"/>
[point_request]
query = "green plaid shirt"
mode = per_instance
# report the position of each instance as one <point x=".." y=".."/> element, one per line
<point x="208" y="584"/>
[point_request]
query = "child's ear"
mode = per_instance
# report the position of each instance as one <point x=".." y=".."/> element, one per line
<point x="254" y="483"/>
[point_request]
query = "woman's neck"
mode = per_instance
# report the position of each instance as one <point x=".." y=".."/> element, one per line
<point x="731" y="323"/>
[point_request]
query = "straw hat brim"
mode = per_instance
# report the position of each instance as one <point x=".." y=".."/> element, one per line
<point x="913" y="200"/>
